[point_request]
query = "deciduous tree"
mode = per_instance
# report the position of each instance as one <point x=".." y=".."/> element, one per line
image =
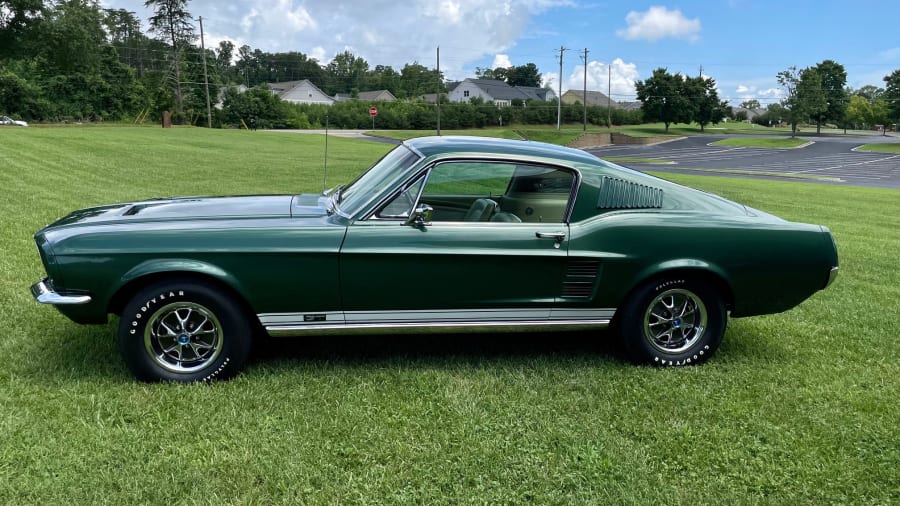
<point x="833" y="78"/>
<point x="172" y="22"/>
<point x="892" y="95"/>
<point x="662" y="97"/>
<point x="805" y="97"/>
<point x="706" y="107"/>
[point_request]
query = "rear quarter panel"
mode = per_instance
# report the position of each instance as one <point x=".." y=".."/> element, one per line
<point x="769" y="265"/>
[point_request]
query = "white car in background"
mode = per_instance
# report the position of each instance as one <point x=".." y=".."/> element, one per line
<point x="6" y="120"/>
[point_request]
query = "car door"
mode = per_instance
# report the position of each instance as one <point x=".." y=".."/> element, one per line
<point x="471" y="261"/>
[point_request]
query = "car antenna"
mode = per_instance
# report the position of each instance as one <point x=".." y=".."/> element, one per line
<point x="325" y="171"/>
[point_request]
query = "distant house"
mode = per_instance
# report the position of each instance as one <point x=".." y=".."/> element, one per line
<point x="220" y="96"/>
<point x="496" y="92"/>
<point x="368" y="96"/>
<point x="596" y="98"/>
<point x="300" y="92"/>
<point x="751" y="113"/>
<point x="592" y="98"/>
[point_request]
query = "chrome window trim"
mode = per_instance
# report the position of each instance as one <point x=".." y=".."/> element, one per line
<point x="487" y="157"/>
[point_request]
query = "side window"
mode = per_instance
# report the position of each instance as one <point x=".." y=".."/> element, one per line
<point x="469" y="178"/>
<point x="467" y="190"/>
<point x="486" y="191"/>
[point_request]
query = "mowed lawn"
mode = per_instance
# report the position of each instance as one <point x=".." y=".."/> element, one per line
<point x="796" y="408"/>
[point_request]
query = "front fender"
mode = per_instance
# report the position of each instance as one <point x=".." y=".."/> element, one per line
<point x="178" y="265"/>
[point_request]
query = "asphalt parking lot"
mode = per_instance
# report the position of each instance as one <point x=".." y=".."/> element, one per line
<point x="829" y="160"/>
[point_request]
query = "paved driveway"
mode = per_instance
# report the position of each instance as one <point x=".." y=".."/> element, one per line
<point x="827" y="159"/>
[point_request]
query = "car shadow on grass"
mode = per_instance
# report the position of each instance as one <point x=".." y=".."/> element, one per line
<point x="440" y="348"/>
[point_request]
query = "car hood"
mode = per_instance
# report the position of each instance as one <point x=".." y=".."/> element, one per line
<point x="192" y="208"/>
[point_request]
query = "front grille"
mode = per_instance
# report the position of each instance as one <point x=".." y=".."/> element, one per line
<point x="581" y="275"/>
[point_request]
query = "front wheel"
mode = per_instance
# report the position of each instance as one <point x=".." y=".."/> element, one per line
<point x="672" y="321"/>
<point x="183" y="331"/>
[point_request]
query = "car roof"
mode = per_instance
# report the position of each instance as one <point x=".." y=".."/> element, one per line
<point x="435" y="145"/>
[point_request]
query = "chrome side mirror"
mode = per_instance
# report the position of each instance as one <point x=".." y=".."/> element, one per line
<point x="421" y="215"/>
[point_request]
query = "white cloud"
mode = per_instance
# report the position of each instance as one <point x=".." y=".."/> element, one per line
<point x="658" y="23"/>
<point x="318" y="53"/>
<point x="550" y="80"/>
<point x="623" y="76"/>
<point x="889" y="55"/>
<point x="501" y="61"/>
<point x="765" y="96"/>
<point x="387" y="32"/>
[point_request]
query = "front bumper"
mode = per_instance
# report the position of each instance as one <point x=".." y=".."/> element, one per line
<point x="44" y="294"/>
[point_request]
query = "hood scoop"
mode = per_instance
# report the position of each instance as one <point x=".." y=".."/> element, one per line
<point x="621" y="194"/>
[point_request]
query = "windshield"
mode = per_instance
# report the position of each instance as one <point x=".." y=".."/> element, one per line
<point x="376" y="180"/>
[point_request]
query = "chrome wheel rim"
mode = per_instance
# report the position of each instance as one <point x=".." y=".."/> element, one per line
<point x="183" y="337"/>
<point x="675" y="321"/>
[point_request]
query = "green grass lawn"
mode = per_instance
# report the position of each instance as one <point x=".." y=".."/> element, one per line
<point x="795" y="408"/>
<point x="881" y="148"/>
<point x="762" y="142"/>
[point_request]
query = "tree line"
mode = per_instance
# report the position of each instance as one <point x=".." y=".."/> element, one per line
<point x="819" y="95"/>
<point x="73" y="60"/>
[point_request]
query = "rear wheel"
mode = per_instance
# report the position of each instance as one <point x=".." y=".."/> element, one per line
<point x="672" y="321"/>
<point x="184" y="331"/>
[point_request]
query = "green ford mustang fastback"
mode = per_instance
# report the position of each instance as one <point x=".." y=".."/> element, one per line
<point x="441" y="233"/>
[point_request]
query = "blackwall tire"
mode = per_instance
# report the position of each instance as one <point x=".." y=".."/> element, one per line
<point x="184" y="331"/>
<point x="673" y="321"/>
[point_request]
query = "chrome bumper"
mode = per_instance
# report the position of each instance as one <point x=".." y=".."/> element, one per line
<point x="831" y="276"/>
<point x="45" y="295"/>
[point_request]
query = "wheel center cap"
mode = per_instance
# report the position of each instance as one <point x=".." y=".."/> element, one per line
<point x="183" y="339"/>
<point x="677" y="323"/>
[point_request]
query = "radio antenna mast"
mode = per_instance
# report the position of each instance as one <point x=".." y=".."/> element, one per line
<point x="325" y="171"/>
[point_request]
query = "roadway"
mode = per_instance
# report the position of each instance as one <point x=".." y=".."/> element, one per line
<point x="831" y="160"/>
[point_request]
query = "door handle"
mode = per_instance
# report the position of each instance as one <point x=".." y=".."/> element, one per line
<point x="559" y="236"/>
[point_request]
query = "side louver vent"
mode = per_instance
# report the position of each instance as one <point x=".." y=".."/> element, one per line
<point x="580" y="278"/>
<point x="621" y="194"/>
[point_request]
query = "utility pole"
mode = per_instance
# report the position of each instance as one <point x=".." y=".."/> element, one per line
<point x="584" y="98"/>
<point x="439" y="90"/>
<point x="205" y="76"/>
<point x="609" y="95"/>
<point x="701" y="71"/>
<point x="562" y="51"/>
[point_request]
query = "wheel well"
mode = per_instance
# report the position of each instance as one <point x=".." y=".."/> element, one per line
<point x="714" y="280"/>
<point x="129" y="290"/>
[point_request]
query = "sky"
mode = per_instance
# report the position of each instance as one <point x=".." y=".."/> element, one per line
<point x="742" y="44"/>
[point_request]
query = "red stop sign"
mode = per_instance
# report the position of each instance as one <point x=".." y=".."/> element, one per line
<point x="373" y="111"/>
